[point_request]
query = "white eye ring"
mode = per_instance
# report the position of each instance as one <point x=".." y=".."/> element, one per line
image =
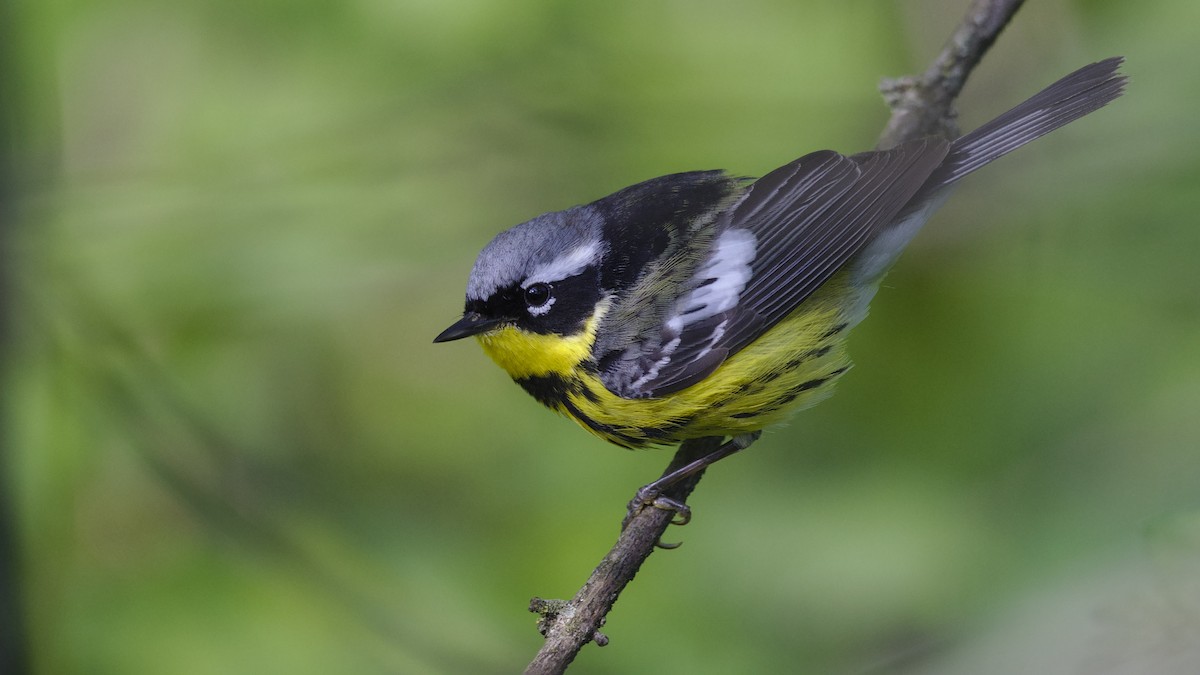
<point x="539" y="298"/>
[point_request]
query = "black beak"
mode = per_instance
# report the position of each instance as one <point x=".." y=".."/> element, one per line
<point x="472" y="323"/>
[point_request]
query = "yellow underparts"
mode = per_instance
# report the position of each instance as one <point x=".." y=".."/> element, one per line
<point x="524" y="354"/>
<point x="792" y="366"/>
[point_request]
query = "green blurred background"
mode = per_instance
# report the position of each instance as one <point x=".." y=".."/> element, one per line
<point x="232" y="447"/>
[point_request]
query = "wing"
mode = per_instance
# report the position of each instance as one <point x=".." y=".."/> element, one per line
<point x="793" y="230"/>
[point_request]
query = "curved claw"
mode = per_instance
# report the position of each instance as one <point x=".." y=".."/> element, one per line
<point x="649" y="496"/>
<point x="683" y="512"/>
<point x="683" y="516"/>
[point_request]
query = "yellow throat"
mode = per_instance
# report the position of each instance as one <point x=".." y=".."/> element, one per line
<point x="524" y="354"/>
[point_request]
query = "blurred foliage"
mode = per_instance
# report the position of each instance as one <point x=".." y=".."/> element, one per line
<point x="241" y="223"/>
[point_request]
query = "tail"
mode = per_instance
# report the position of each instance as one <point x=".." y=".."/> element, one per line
<point x="1083" y="91"/>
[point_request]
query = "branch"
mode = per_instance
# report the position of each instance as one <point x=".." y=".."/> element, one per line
<point x="924" y="105"/>
<point x="569" y="626"/>
<point x="921" y="106"/>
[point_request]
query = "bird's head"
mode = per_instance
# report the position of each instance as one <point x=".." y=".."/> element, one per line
<point x="540" y="277"/>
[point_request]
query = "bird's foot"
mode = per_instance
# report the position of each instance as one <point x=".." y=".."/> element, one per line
<point x="649" y="496"/>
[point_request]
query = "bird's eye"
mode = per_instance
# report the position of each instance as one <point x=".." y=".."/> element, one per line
<point x="537" y="294"/>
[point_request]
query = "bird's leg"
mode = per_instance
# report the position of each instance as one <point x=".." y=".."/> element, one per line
<point x="651" y="494"/>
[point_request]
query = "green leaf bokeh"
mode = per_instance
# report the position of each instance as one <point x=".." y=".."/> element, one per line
<point x="234" y="449"/>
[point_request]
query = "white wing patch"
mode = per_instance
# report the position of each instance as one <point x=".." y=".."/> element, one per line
<point x="652" y="371"/>
<point x="564" y="266"/>
<point x="728" y="268"/>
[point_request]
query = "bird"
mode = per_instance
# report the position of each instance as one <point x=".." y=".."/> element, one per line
<point x="701" y="304"/>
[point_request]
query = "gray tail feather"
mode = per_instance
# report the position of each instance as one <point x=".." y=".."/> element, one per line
<point x="1083" y="91"/>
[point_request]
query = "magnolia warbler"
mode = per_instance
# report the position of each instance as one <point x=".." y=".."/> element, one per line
<point x="700" y="304"/>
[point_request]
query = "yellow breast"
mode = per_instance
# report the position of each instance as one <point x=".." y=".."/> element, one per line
<point x="524" y="354"/>
<point x="792" y="366"/>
